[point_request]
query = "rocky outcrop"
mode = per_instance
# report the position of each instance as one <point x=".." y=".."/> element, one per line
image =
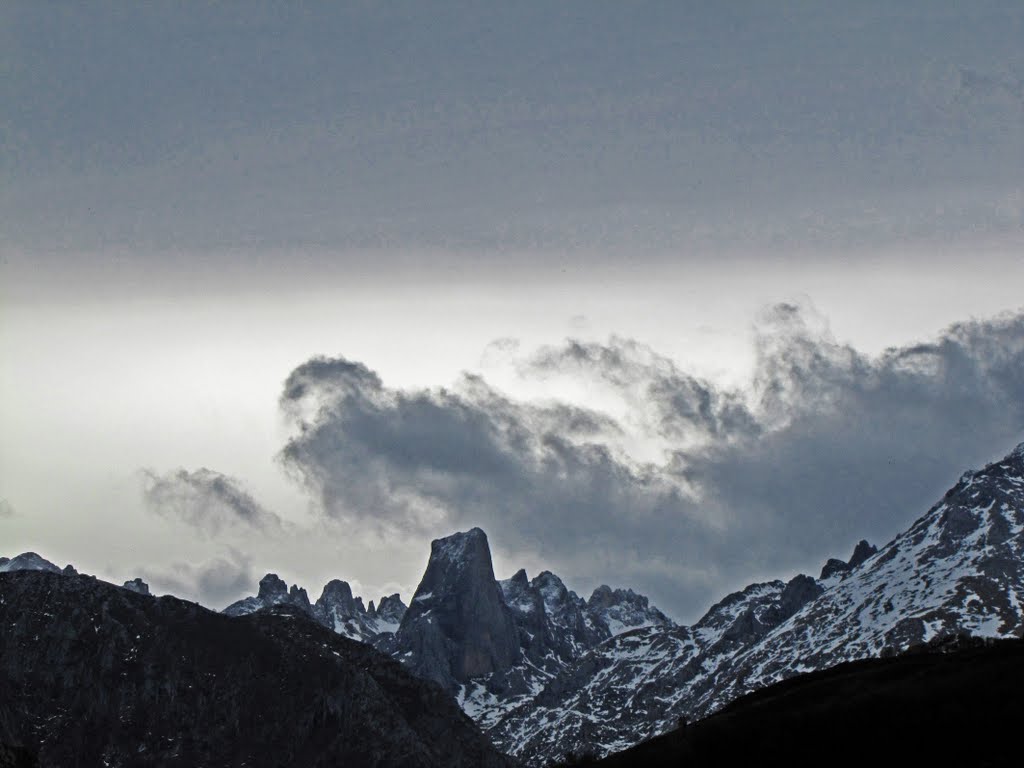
<point x="137" y="585"/>
<point x="619" y="610"/>
<point x="272" y="591"/>
<point x="835" y="567"/>
<point x="93" y="674"/>
<point x="861" y="553"/>
<point x="389" y="613"/>
<point x="28" y="561"/>
<point x="458" y="626"/>
<point x="336" y="608"/>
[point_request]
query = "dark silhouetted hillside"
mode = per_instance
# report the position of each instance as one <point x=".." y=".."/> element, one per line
<point x="929" y="707"/>
<point x="94" y="674"/>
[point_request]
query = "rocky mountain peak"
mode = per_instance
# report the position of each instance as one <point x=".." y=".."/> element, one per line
<point x="457" y="626"/>
<point x="861" y="552"/>
<point x="272" y="592"/>
<point x="466" y="547"/>
<point x="519" y="579"/>
<point x="549" y="584"/>
<point x="836" y="567"/>
<point x="297" y="596"/>
<point x="619" y="610"/>
<point x="337" y="594"/>
<point x="833" y="567"/>
<point x="28" y="561"/>
<point x="137" y="585"/>
<point x="391" y="608"/>
<point x="272" y="588"/>
<point x="602" y="597"/>
<point x="799" y="591"/>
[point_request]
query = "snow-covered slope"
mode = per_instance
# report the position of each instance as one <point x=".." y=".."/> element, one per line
<point x="958" y="569"/>
<point x="617" y="693"/>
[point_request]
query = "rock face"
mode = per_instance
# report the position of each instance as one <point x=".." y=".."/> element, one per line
<point x="93" y="674"/>
<point x="273" y="591"/>
<point x="544" y="628"/>
<point x="837" y="568"/>
<point x="457" y="626"/>
<point x="861" y="553"/>
<point x="28" y="561"/>
<point x="958" y="570"/>
<point x="389" y="614"/>
<point x="137" y="585"/>
<point x="621" y="609"/>
<point x="337" y="609"/>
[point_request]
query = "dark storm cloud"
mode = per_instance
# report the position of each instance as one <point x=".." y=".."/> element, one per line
<point x="855" y="446"/>
<point x="206" y="500"/>
<point x="404" y="458"/>
<point x="828" y="446"/>
<point x="215" y="583"/>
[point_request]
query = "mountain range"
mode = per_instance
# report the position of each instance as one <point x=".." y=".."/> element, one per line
<point x="546" y="673"/>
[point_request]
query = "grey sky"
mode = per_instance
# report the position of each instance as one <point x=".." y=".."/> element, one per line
<point x="197" y="199"/>
<point x="521" y="125"/>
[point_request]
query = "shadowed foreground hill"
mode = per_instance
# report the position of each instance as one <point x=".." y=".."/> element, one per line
<point x="93" y="675"/>
<point x="963" y="707"/>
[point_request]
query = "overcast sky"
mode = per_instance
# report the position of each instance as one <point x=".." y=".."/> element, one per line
<point x="673" y="295"/>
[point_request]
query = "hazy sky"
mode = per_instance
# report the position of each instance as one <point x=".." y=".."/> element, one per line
<point x="666" y="295"/>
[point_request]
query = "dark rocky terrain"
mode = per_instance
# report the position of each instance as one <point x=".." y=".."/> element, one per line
<point x="956" y="703"/>
<point x="98" y="675"/>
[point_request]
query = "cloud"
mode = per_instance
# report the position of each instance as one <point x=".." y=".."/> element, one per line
<point x="662" y="399"/>
<point x="206" y="500"/>
<point x="410" y="459"/>
<point x="215" y="583"/>
<point x="6" y="509"/>
<point x="825" y="446"/>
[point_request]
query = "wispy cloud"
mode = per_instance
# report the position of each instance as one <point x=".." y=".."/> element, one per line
<point x="206" y="500"/>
